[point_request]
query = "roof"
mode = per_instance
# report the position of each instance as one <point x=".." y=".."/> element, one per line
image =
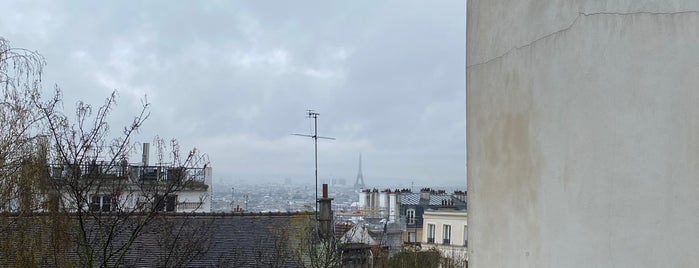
<point x="435" y="199"/>
<point x="205" y="240"/>
<point x="359" y="234"/>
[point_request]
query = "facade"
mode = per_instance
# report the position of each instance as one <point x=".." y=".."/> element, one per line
<point x="414" y="205"/>
<point x="402" y="206"/>
<point x="446" y="229"/>
<point x="171" y="189"/>
<point x="582" y="133"/>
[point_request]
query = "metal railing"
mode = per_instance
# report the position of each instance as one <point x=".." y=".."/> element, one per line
<point x="189" y="205"/>
<point x="132" y="172"/>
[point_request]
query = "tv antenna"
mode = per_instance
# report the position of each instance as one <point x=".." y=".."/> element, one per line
<point x="315" y="137"/>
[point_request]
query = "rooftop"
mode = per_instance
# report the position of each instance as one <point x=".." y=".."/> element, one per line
<point x="435" y="199"/>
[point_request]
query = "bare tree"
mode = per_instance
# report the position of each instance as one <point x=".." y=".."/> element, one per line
<point x="55" y="166"/>
<point x="415" y="258"/>
<point x="309" y="249"/>
<point x="181" y="240"/>
<point x="111" y="201"/>
<point x="271" y="250"/>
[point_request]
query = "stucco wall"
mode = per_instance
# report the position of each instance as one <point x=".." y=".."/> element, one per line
<point x="583" y="133"/>
<point x="457" y="220"/>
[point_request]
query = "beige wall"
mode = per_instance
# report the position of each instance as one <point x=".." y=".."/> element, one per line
<point x="418" y="234"/>
<point x="458" y="222"/>
<point x="583" y="133"/>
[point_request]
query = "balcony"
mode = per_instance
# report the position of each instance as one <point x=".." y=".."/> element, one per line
<point x="95" y="170"/>
<point x="194" y="177"/>
<point x="181" y="206"/>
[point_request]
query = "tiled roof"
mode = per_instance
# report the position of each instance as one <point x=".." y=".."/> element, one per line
<point x="226" y="240"/>
<point x="435" y="199"/>
<point x="240" y="241"/>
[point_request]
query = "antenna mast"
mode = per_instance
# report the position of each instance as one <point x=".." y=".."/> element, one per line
<point x="315" y="137"/>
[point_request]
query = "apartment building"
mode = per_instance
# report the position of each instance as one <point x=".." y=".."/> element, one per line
<point x="447" y="230"/>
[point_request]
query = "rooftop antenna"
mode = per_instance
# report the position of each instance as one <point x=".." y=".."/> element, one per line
<point x="315" y="137"/>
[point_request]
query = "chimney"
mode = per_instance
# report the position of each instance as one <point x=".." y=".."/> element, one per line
<point x="394" y="205"/>
<point x="362" y="200"/>
<point x="146" y="152"/>
<point x="383" y="203"/>
<point x="325" y="215"/>
<point x="374" y="199"/>
<point x="461" y="195"/>
<point x="425" y="194"/>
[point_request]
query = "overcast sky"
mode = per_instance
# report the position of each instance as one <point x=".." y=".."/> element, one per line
<point x="235" y="78"/>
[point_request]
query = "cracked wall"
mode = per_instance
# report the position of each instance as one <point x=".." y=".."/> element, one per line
<point x="583" y="133"/>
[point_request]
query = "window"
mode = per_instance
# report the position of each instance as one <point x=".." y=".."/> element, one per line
<point x="430" y="233"/>
<point x="102" y="203"/>
<point x="410" y="215"/>
<point x="465" y="236"/>
<point x="166" y="203"/>
<point x="412" y="237"/>
<point x="447" y="234"/>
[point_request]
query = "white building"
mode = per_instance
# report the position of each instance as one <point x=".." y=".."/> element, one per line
<point x="446" y="230"/>
<point x="170" y="189"/>
<point x="380" y="204"/>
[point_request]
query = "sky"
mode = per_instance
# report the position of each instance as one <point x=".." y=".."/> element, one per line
<point x="234" y="79"/>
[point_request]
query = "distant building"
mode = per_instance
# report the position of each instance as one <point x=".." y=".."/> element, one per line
<point x="123" y="186"/>
<point x="446" y="229"/>
<point x="413" y="206"/>
<point x="402" y="206"/>
<point x="384" y="204"/>
<point x="132" y="186"/>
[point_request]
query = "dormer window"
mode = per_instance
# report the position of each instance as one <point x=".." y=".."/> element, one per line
<point x="410" y="214"/>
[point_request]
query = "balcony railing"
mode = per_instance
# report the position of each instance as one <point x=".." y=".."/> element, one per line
<point x="189" y="205"/>
<point x="132" y="172"/>
<point x="445" y="241"/>
<point x="58" y="171"/>
<point x="430" y="240"/>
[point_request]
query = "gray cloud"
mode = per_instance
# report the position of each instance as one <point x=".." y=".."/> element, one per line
<point x="234" y="79"/>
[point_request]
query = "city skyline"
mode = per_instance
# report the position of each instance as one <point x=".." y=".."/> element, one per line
<point x="235" y="80"/>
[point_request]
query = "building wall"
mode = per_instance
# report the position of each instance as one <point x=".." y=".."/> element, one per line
<point x="188" y="201"/>
<point x="418" y="234"/>
<point x="583" y="133"/>
<point x="457" y="220"/>
<point x="193" y="201"/>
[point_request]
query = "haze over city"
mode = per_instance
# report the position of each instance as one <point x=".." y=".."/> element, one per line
<point x="235" y="79"/>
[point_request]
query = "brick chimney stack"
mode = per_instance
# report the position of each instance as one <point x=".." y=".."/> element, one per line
<point x="325" y="215"/>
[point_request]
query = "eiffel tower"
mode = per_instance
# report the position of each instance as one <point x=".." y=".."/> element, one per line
<point x="359" y="184"/>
